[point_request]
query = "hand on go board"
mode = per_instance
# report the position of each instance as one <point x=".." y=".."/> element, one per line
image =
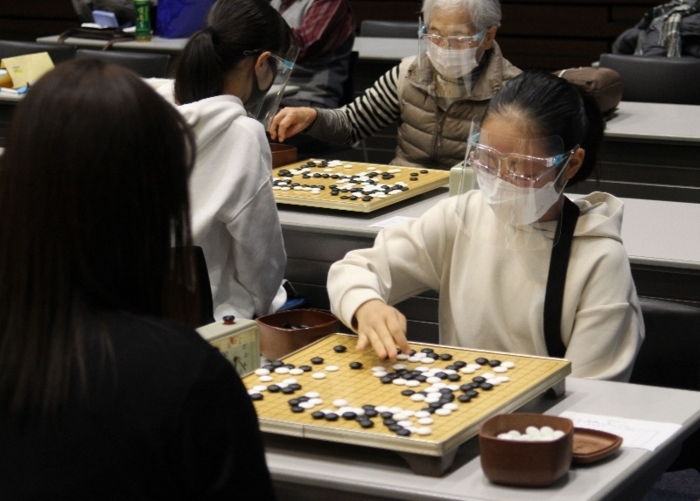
<point x="291" y="121"/>
<point x="383" y="326"/>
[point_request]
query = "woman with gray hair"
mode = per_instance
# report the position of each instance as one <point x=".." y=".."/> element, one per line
<point x="434" y="94"/>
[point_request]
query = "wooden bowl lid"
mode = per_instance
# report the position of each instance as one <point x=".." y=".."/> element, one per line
<point x="590" y="446"/>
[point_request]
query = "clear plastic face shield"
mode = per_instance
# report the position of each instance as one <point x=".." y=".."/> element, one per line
<point x="521" y="182"/>
<point x="447" y="56"/>
<point x="264" y="103"/>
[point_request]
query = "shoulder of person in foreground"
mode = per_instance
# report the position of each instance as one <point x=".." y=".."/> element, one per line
<point x="212" y="433"/>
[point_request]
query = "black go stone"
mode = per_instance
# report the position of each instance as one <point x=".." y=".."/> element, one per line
<point x="297" y="409"/>
<point x="353" y="197"/>
<point x="371" y="413"/>
<point x="447" y="399"/>
<point x="277" y="363"/>
<point x="445" y="391"/>
<point x="318" y="415"/>
<point x="446" y="356"/>
<point x="386" y="415"/>
<point x="422" y="378"/>
<point x="287" y="390"/>
<point x="494" y="363"/>
<point x="367" y="198"/>
<point x="344" y="197"/>
<point x="466" y="387"/>
<point x="317" y="360"/>
<point x="331" y="416"/>
<point x="407" y="393"/>
<point x="386" y="379"/>
<point x="403" y="432"/>
<point x="481" y="361"/>
<point x="441" y="375"/>
<point x="368" y="407"/>
<point x="486" y="386"/>
<point x="436" y="405"/>
<point x="335" y="193"/>
<point x="452" y="367"/>
<point x="339" y="348"/>
<point x="464" y="398"/>
<point x="460" y="363"/>
<point x="349" y="415"/>
<point x="294" y="402"/>
<point x="454" y="377"/>
<point x="396" y="427"/>
<point x="295" y="386"/>
<point x="389" y="421"/>
<point x="479" y="379"/>
<point x="290" y="366"/>
<point x="470" y="393"/>
<point x="269" y="367"/>
<point x="256" y="396"/>
<point x="427" y="350"/>
<point x="273" y="388"/>
<point x="303" y="399"/>
<point x="356" y="365"/>
<point x="366" y="423"/>
<point x="305" y="368"/>
<point x="423" y="171"/>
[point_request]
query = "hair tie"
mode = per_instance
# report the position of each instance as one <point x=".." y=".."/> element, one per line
<point x="212" y="33"/>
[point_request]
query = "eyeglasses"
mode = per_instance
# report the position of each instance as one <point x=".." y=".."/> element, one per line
<point x="525" y="169"/>
<point x="455" y="42"/>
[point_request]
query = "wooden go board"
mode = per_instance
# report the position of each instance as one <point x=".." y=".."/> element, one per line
<point x="351" y="186"/>
<point x="529" y="377"/>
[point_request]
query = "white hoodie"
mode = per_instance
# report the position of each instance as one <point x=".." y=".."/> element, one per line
<point x="492" y="297"/>
<point x="234" y="216"/>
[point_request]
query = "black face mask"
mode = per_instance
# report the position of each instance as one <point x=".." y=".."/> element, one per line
<point x="256" y="93"/>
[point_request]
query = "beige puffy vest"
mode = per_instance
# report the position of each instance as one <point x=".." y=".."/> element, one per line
<point x="431" y="136"/>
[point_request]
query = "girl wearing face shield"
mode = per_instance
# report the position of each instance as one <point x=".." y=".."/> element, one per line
<point x="519" y="267"/>
<point x="433" y="95"/>
<point x="224" y="73"/>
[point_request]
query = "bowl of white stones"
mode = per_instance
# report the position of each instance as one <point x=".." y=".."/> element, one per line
<point x="531" y="450"/>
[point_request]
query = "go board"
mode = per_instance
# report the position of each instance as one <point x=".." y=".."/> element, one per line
<point x="521" y="378"/>
<point x="351" y="186"/>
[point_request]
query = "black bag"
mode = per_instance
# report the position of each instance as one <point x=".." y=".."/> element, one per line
<point x="110" y="35"/>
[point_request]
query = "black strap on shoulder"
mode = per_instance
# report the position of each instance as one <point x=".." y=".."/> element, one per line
<point x="554" y="294"/>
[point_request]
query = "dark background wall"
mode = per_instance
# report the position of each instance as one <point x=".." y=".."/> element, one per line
<point x="535" y="33"/>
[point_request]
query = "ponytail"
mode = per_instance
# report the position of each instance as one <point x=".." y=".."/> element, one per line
<point x="233" y="28"/>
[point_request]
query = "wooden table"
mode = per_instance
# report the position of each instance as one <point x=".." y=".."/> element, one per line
<point x="309" y="470"/>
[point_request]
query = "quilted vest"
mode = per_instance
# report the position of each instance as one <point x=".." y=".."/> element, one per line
<point x="431" y="136"/>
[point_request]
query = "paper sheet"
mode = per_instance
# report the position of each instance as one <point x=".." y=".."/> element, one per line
<point x="635" y="433"/>
<point x="392" y="221"/>
<point x="28" y="68"/>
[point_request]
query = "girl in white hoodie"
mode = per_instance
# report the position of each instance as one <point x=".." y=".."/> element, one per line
<point x="224" y="69"/>
<point x="486" y="251"/>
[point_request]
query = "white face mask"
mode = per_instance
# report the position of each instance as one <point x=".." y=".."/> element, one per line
<point x="452" y="63"/>
<point x="514" y="204"/>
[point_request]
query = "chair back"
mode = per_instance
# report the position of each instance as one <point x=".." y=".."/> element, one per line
<point x="670" y="353"/>
<point x="650" y="79"/>
<point x="57" y="52"/>
<point x="145" y="65"/>
<point x="389" y="29"/>
<point x="349" y="84"/>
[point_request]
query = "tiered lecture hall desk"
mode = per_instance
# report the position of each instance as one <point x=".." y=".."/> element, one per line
<point x="310" y="470"/>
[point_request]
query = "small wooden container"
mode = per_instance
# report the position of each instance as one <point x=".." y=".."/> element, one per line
<point x="277" y="341"/>
<point x="528" y="464"/>
<point x="282" y="154"/>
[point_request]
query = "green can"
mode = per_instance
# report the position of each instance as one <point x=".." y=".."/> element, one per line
<point x="143" y="20"/>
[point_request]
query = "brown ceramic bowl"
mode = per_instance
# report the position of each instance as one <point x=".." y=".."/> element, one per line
<point x="282" y="154"/>
<point x="529" y="464"/>
<point x="277" y="341"/>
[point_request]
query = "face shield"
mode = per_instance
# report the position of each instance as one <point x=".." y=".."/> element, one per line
<point x="521" y="181"/>
<point x="264" y="103"/>
<point x="447" y="56"/>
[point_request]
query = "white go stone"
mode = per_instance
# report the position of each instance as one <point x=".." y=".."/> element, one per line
<point x="412" y="358"/>
<point x="503" y="379"/>
<point x="451" y="406"/>
<point x="533" y="431"/>
<point x="340" y="402"/>
<point x="514" y="434"/>
<point x="508" y="364"/>
<point x="405" y="423"/>
<point x="409" y="412"/>
<point x="547" y="431"/>
<point x="453" y="387"/>
<point x="558" y="434"/>
<point x="395" y="409"/>
<point x="290" y="380"/>
<point x="332" y="368"/>
<point x="399" y="381"/>
<point x="282" y="370"/>
<point x="425" y="360"/>
<point x="312" y="394"/>
<point x="467" y="370"/>
<point x="306" y="405"/>
<point x="260" y="388"/>
<point x="505" y="436"/>
<point x="402" y="356"/>
<point x="378" y="368"/>
<point x="449" y="371"/>
<point x="265" y="379"/>
<point x="421" y="368"/>
<point x="500" y="369"/>
<point x="494" y="381"/>
<point x="488" y="375"/>
<point x="433" y="380"/>
<point x="316" y="401"/>
<point x="426" y="420"/>
<point x="358" y="410"/>
<point x="319" y="375"/>
<point x="422" y="414"/>
<point x="378" y="374"/>
<point x="401" y="416"/>
<point x="398" y="367"/>
<point x="262" y="372"/>
<point x="417" y="397"/>
<point x="296" y="372"/>
<point x="424" y="430"/>
<point x="381" y="408"/>
<point x="439" y="386"/>
<point x="412" y="383"/>
<point x="443" y="412"/>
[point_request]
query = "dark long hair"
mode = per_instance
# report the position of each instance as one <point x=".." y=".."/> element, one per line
<point x="233" y="28"/>
<point x="93" y="195"/>
<point x="553" y="106"/>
